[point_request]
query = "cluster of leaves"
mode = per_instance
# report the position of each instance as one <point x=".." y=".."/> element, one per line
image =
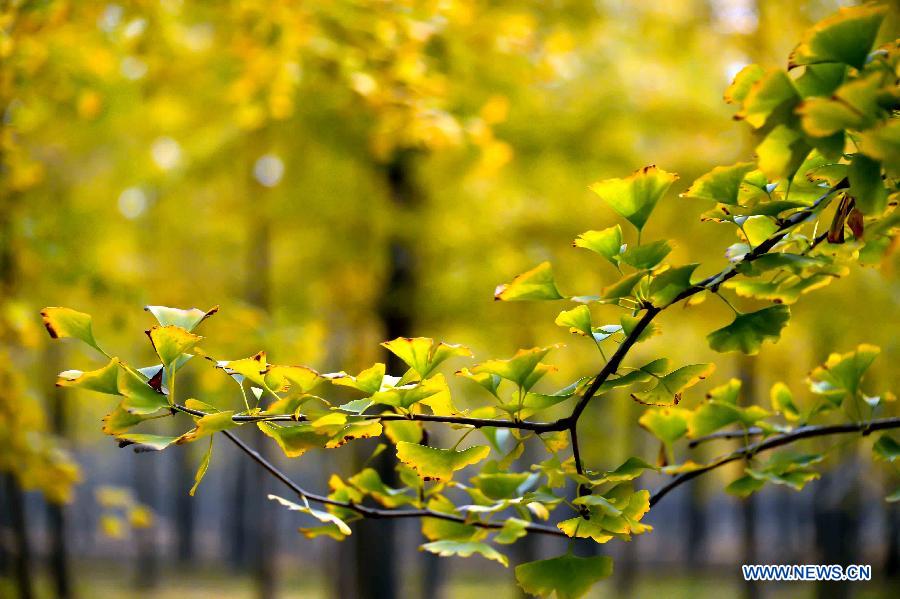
<point x="845" y="98"/>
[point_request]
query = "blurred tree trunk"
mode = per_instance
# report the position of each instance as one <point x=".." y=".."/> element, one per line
<point x="749" y="384"/>
<point x="184" y="479"/>
<point x="836" y="509"/>
<point x="263" y="534"/>
<point x="145" y="468"/>
<point x="376" y="576"/>
<point x="56" y="513"/>
<point x="20" y="558"/>
<point x="891" y="566"/>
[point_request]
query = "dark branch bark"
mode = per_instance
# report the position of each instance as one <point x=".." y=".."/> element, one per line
<point x="372" y="512"/>
<point x="804" y="432"/>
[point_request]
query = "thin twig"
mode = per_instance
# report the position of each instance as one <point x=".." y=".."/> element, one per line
<point x="804" y="432"/>
<point x="735" y="434"/>
<point x="372" y="512"/>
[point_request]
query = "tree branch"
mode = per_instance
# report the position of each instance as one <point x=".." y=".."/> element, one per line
<point x="804" y="432"/>
<point x="372" y="512"/>
<point x="539" y="427"/>
<point x="711" y="283"/>
<point x="735" y="434"/>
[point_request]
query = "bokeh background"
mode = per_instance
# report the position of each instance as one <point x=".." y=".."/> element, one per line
<point x="337" y="173"/>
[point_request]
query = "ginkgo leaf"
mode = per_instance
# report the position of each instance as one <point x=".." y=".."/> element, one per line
<point x="578" y="320"/>
<point x="886" y="448"/>
<point x="667" y="286"/>
<point x="513" y="530"/>
<point x="433" y="463"/>
<point x="630" y="469"/>
<point x="294" y="440"/>
<point x="465" y="549"/>
<point x="140" y="397"/>
<point x="208" y="425"/>
<point x="783" y="401"/>
<point x="423" y="354"/>
<point x="120" y="420"/>
<point x="535" y="284"/>
<point x="866" y="185"/>
<point x="668" y="388"/>
<point x="523" y="369"/>
<point x="666" y="424"/>
<point x="781" y="152"/>
<point x="321" y="516"/>
<point x="845" y="37"/>
<point x="841" y="375"/>
<point x="722" y="184"/>
<point x="297" y="379"/>
<point x="745" y="486"/>
<point x="606" y="243"/>
<point x="747" y="332"/>
<point x="369" y="381"/>
<point x="66" y="322"/>
<point x="102" y="380"/>
<point x="636" y="196"/>
<point x="186" y="319"/>
<point x="146" y="442"/>
<point x="758" y="229"/>
<point x="771" y="93"/>
<point x="369" y="482"/>
<point x="568" y="576"/>
<point x="171" y="341"/>
<point x="624" y="286"/>
<point x="405" y="396"/>
<point x="743" y="81"/>
<point x="853" y="106"/>
<point x="647" y="256"/>
<point x="253" y="368"/>
<point x="202" y="469"/>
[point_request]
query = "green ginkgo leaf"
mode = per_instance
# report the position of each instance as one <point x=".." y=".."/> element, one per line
<point x="886" y="448"/>
<point x="423" y="354"/>
<point x="668" y="388"/>
<point x="606" y="243"/>
<point x="66" y="322"/>
<point x="369" y="381"/>
<point x="102" y="380"/>
<point x="465" y="549"/>
<point x="722" y="184"/>
<point x="747" y="332"/>
<point x="866" y="185"/>
<point x="186" y="319"/>
<point x="319" y="515"/>
<point x="524" y="369"/>
<point x="845" y="37"/>
<point x="433" y="463"/>
<point x="781" y="152"/>
<point x="171" y="341"/>
<point x="842" y="374"/>
<point x="773" y="93"/>
<point x="568" y="576"/>
<point x="743" y="81"/>
<point x="635" y="197"/>
<point x="535" y="284"/>
<point x="783" y="401"/>
<point x="578" y="320"/>
<point x="140" y="397"/>
<point x="624" y="286"/>
<point x="202" y="468"/>
<point x="666" y="424"/>
<point x="670" y="284"/>
<point x="853" y="106"/>
<point x="208" y="425"/>
<point x="647" y="256"/>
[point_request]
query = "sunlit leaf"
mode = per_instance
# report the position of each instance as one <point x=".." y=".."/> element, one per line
<point x="186" y="319"/>
<point x="202" y="469"/>
<point x="65" y="322"/>
<point x="102" y="380"/>
<point x="647" y="256"/>
<point x="772" y="92"/>
<point x="742" y="83"/>
<point x="636" y="196"/>
<point x="668" y="388"/>
<point x="423" y="354"/>
<point x="668" y="285"/>
<point x="140" y="397"/>
<point x="783" y="401"/>
<point x="535" y="284"/>
<point x="666" y="424"/>
<point x="433" y="463"/>
<point x="606" y="243"/>
<point x="319" y="515"/>
<point x="845" y="37"/>
<point x="465" y="549"/>
<point x="866" y="185"/>
<point x="524" y="369"/>
<point x="721" y="184"/>
<point x="841" y="375"/>
<point x="170" y="342"/>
